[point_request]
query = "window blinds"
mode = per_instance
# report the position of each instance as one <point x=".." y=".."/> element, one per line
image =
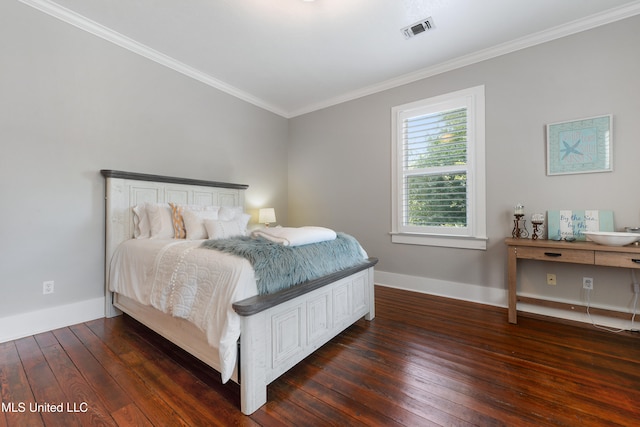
<point x="434" y="158"/>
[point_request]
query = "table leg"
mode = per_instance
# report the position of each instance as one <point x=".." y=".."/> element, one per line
<point x="512" y="260"/>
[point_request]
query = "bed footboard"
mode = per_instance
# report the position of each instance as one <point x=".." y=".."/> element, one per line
<point x="279" y="331"/>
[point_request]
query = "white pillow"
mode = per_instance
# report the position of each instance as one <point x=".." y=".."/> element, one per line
<point x="159" y="215"/>
<point x="194" y="223"/>
<point x="218" y="229"/>
<point x="228" y="213"/>
<point x="141" y="227"/>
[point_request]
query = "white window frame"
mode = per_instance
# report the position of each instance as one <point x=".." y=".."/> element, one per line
<point x="474" y="235"/>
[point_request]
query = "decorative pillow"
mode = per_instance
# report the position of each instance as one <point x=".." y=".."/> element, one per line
<point x="177" y="217"/>
<point x="218" y="229"/>
<point x="194" y="223"/>
<point x="141" y="227"/>
<point x="159" y="215"/>
<point x="179" y="231"/>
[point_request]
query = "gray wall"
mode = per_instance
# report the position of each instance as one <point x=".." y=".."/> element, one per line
<point x="339" y="160"/>
<point x="72" y="104"/>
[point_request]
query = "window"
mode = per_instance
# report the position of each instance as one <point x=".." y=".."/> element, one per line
<point x="438" y="187"/>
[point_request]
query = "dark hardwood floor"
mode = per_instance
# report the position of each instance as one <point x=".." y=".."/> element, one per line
<point x="423" y="361"/>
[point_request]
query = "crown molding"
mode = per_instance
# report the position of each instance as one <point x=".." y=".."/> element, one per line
<point x="577" y="26"/>
<point x="51" y="8"/>
<point x="70" y="17"/>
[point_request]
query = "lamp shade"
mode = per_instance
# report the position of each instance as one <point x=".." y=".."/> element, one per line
<point x="267" y="215"/>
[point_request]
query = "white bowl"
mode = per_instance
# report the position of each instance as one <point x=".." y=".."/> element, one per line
<point x="612" y="238"/>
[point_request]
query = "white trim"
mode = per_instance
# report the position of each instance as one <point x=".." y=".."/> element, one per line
<point x="461" y="242"/>
<point x="577" y="316"/>
<point x="574" y="27"/>
<point x="35" y="322"/>
<point x="494" y="297"/>
<point x="444" y="288"/>
<point x="577" y="26"/>
<point x="473" y="236"/>
<point x="92" y="27"/>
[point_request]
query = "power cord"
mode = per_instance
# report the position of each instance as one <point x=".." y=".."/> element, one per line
<point x="636" y="291"/>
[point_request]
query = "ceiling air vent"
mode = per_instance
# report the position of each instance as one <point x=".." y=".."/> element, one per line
<point x="418" y="28"/>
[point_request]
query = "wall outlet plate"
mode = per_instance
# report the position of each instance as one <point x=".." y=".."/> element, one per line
<point x="551" y="279"/>
<point x="48" y="287"/>
<point x="587" y="283"/>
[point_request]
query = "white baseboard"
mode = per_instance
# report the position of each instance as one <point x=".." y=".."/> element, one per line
<point x="27" y="324"/>
<point x="496" y="297"/>
<point x="612" y="324"/>
<point x="35" y="322"/>
<point x="444" y="288"/>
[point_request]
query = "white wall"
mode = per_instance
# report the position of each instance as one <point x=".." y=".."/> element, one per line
<point x="339" y="164"/>
<point x="72" y="104"/>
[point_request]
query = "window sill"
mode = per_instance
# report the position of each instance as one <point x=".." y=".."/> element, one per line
<point x="479" y="243"/>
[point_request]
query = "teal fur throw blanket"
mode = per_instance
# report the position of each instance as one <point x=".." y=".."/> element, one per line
<point x="279" y="267"/>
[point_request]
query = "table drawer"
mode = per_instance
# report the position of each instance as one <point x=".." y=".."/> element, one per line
<point x="618" y="259"/>
<point x="556" y="255"/>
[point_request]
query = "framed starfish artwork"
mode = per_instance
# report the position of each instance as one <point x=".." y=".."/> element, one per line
<point x="580" y="146"/>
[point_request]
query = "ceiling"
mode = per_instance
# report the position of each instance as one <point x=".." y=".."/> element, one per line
<point x="292" y="56"/>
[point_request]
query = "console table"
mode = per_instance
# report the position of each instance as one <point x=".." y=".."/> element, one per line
<point x="562" y="251"/>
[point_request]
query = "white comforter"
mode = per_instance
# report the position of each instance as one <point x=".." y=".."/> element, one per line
<point x="184" y="280"/>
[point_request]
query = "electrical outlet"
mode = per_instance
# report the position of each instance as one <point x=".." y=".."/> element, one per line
<point x="551" y="279"/>
<point x="47" y="287"/>
<point x="587" y="283"/>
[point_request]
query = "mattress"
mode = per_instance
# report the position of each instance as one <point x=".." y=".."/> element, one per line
<point x="184" y="280"/>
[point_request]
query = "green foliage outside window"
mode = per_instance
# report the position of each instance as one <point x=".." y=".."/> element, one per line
<point x="435" y="161"/>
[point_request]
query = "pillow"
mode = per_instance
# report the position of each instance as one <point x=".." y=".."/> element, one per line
<point x="218" y="229"/>
<point x="194" y="223"/>
<point x="179" y="231"/>
<point x="141" y="226"/>
<point x="159" y="215"/>
<point x="177" y="217"/>
<point x="228" y="213"/>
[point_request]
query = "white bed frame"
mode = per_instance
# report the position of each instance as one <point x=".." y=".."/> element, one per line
<point x="278" y="330"/>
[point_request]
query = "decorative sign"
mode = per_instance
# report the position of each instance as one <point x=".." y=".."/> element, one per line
<point x="572" y="224"/>
<point x="580" y="146"/>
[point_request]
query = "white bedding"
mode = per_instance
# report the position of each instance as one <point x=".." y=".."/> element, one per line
<point x="296" y="236"/>
<point x="184" y="280"/>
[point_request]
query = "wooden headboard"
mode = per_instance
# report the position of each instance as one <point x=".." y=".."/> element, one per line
<point x="124" y="190"/>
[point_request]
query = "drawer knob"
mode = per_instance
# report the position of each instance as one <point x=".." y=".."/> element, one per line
<point x="553" y="254"/>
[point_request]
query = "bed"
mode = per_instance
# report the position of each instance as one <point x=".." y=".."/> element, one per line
<point x="276" y="330"/>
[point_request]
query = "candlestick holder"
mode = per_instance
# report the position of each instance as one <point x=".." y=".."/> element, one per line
<point x="537" y="220"/>
<point x="519" y="227"/>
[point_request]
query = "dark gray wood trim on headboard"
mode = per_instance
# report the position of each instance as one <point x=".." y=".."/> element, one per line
<point x="108" y="173"/>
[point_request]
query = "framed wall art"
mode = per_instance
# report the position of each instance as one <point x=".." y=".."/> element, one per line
<point x="580" y="146"/>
